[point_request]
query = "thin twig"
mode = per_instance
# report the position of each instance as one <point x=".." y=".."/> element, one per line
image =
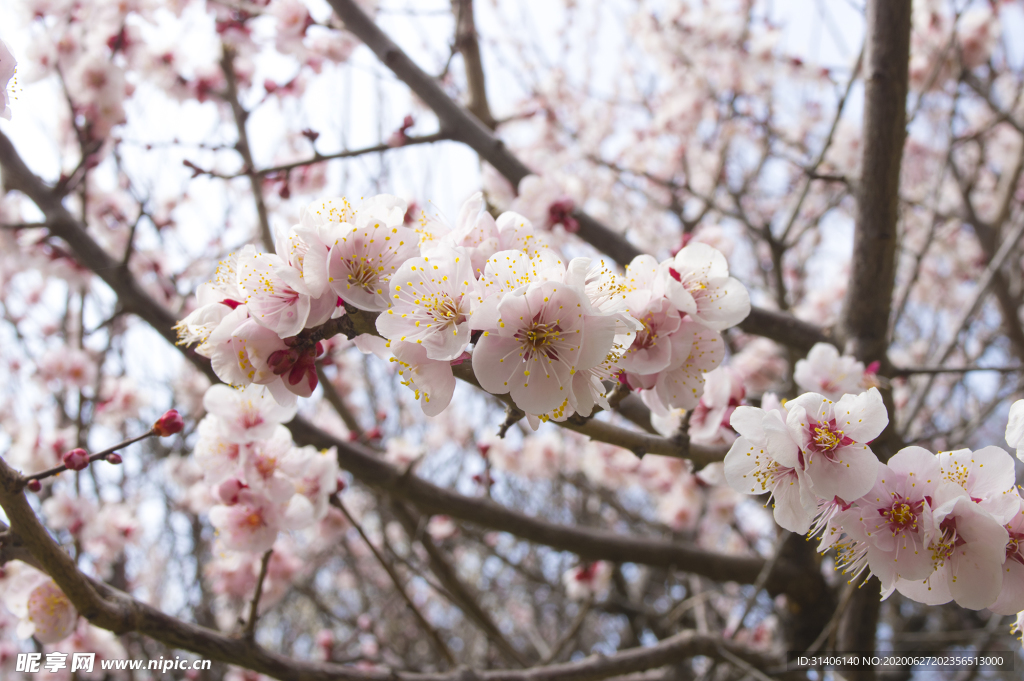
<point x="435" y="637"/>
<point x="911" y="371"/>
<point x="762" y="579"/>
<point x="92" y="458"/>
<point x="984" y="283"/>
<point x="254" y="606"/>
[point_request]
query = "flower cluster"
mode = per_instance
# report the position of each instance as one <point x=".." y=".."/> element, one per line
<point x="934" y="527"/>
<point x="552" y="335"/>
<point x="259" y="482"/>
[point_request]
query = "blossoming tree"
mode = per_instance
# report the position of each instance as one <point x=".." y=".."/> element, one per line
<point x="353" y="341"/>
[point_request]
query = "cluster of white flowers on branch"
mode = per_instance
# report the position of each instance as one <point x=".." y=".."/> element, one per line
<point x="257" y="482"/>
<point x="555" y="336"/>
<point x="935" y="527"/>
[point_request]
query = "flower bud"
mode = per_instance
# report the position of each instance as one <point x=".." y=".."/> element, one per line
<point x="34" y="485"/>
<point x="76" y="459"/>
<point x="114" y="458"/>
<point x="169" y="424"/>
<point x="229" y="490"/>
<point x="281" y="361"/>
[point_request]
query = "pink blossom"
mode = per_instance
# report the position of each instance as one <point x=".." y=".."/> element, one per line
<point x="698" y="283"/>
<point x="590" y="580"/>
<point x="825" y="371"/>
<point x="431" y="380"/>
<point x="247" y="415"/>
<point x="251" y="524"/>
<point x="696" y="349"/>
<point x="832" y="437"/>
<point x="891" y="523"/>
<point x="8" y="65"/>
<point x="431" y="303"/>
<point x="765" y="459"/>
<point x="1011" y="596"/>
<point x="476" y="231"/>
<point x="276" y="295"/>
<point x="967" y="547"/>
<point x="535" y="349"/>
<point x="709" y="423"/>
<point x="314" y="474"/>
<point x="108" y="533"/>
<point x="64" y="512"/>
<point x="651" y="350"/>
<point x="364" y="255"/>
<point x="1015" y="428"/>
<point x="35" y="599"/>
<point x="987" y="476"/>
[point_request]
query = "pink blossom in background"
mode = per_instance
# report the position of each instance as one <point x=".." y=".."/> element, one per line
<point x="8" y="65"/>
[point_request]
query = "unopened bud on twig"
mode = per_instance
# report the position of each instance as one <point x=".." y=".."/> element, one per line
<point x="76" y="459"/>
<point x="169" y="424"/>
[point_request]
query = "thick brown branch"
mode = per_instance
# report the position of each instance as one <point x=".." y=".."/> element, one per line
<point x="868" y="305"/>
<point x="873" y="273"/>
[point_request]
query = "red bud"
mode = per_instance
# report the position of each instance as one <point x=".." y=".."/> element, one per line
<point x="169" y="424"/>
<point x="76" y="459"/>
<point x="34" y="485"/>
<point x="114" y="458"/>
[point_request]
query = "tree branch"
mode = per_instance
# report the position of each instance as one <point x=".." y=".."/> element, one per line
<point x="254" y="605"/>
<point x="868" y="301"/>
<point x="469" y="47"/>
<point x="868" y="305"/>
<point x="227" y="63"/>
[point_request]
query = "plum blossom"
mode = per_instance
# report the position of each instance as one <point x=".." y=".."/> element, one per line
<point x="723" y="392"/>
<point x="698" y="283"/>
<point x="535" y="350"/>
<point x="651" y="350"/>
<point x="986" y="476"/>
<point x="431" y="299"/>
<point x="696" y="350"/>
<point x="827" y="372"/>
<point x="766" y="459"/>
<point x="35" y="599"/>
<point x="1011" y="595"/>
<point x="590" y="580"/>
<point x="363" y="256"/>
<point x="832" y="437"/>
<point x="275" y="293"/>
<point x="8" y="65"/>
<point x="476" y="232"/>
<point x="314" y="474"/>
<point x="1015" y="428"/>
<point x="967" y="547"/>
<point x="245" y="415"/>
<point x="431" y="380"/>
<point x="888" y="527"/>
<point x="250" y="524"/>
